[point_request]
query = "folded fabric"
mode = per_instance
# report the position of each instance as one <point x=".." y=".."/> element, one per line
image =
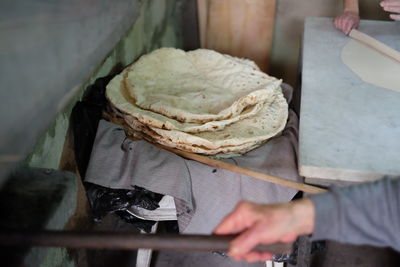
<point x="203" y="194"/>
<point x="121" y="163"/>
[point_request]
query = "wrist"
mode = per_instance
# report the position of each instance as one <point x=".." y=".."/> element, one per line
<point x="304" y="214"/>
<point x="351" y="6"/>
<point x="351" y="11"/>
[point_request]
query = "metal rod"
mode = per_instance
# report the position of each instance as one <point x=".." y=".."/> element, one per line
<point x="127" y="241"/>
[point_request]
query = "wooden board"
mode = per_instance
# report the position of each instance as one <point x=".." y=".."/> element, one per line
<point x="240" y="28"/>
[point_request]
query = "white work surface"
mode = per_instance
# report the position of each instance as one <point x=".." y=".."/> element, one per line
<point x="349" y="129"/>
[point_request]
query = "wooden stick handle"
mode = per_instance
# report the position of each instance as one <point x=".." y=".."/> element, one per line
<point x="375" y="44"/>
<point x="230" y="167"/>
<point x="127" y="241"/>
<point x="255" y="174"/>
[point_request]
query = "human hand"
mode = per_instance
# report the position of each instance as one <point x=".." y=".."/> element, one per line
<point x="265" y="224"/>
<point x="347" y="21"/>
<point x="392" y="6"/>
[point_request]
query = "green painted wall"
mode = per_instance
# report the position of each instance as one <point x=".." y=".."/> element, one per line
<point x="158" y="25"/>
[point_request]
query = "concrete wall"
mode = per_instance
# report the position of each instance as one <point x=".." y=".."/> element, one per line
<point x="47" y="51"/>
<point x="157" y="23"/>
<point x="289" y="29"/>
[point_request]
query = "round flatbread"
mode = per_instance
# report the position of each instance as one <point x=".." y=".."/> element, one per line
<point x="196" y="86"/>
<point x="268" y="122"/>
<point x="120" y="99"/>
<point x="136" y="129"/>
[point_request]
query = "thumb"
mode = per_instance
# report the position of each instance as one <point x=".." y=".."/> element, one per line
<point x="236" y="221"/>
<point x="246" y="241"/>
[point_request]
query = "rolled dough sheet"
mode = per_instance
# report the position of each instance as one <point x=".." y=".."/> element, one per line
<point x="372" y="66"/>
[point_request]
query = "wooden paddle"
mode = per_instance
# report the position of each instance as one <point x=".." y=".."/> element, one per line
<point x="230" y="167"/>
<point x="375" y="44"/>
<point x="254" y="174"/>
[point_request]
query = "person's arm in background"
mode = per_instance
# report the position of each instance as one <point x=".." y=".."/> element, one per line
<point x="392" y="6"/>
<point x="349" y="18"/>
<point x="360" y="214"/>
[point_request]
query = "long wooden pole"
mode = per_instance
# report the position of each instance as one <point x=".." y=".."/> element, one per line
<point x="255" y="174"/>
<point x="127" y="241"/>
<point x="230" y="167"/>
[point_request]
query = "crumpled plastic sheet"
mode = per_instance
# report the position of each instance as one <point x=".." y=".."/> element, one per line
<point x="104" y="201"/>
<point x="143" y="225"/>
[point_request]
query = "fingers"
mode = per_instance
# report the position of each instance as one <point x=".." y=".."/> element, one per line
<point x="392" y="6"/>
<point x="236" y="221"/>
<point x="395" y="17"/>
<point x="339" y="23"/>
<point x="347" y="21"/>
<point x="266" y="224"/>
<point x="386" y="3"/>
<point x="347" y="27"/>
<point x="247" y="240"/>
<point x="394" y="9"/>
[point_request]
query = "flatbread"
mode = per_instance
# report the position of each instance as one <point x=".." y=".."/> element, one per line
<point x="257" y="113"/>
<point x="270" y="121"/>
<point x="121" y="100"/>
<point x="196" y="86"/>
<point x="372" y="66"/>
<point x="243" y="61"/>
<point x="136" y="129"/>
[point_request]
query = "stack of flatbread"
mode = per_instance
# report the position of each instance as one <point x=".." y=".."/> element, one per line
<point x="199" y="101"/>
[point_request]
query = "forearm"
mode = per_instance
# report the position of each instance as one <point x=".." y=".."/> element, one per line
<point x="350" y="6"/>
<point x="361" y="214"/>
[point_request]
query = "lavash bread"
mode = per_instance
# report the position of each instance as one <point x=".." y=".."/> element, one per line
<point x="174" y="116"/>
<point x="135" y="128"/>
<point x="197" y="86"/>
<point x="262" y="126"/>
<point x="117" y="95"/>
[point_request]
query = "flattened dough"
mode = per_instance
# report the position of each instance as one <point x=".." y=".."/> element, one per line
<point x="371" y="66"/>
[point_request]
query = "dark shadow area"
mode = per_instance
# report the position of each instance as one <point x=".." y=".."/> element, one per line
<point x="28" y="201"/>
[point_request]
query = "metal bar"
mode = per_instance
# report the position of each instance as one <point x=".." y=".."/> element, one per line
<point x="127" y="241"/>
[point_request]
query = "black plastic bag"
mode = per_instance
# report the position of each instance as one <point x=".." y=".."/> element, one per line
<point x="104" y="201"/>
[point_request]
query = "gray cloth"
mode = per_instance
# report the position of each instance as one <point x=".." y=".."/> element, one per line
<point x="120" y="163"/>
<point x="216" y="191"/>
<point x="361" y="214"/>
<point x="203" y="194"/>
